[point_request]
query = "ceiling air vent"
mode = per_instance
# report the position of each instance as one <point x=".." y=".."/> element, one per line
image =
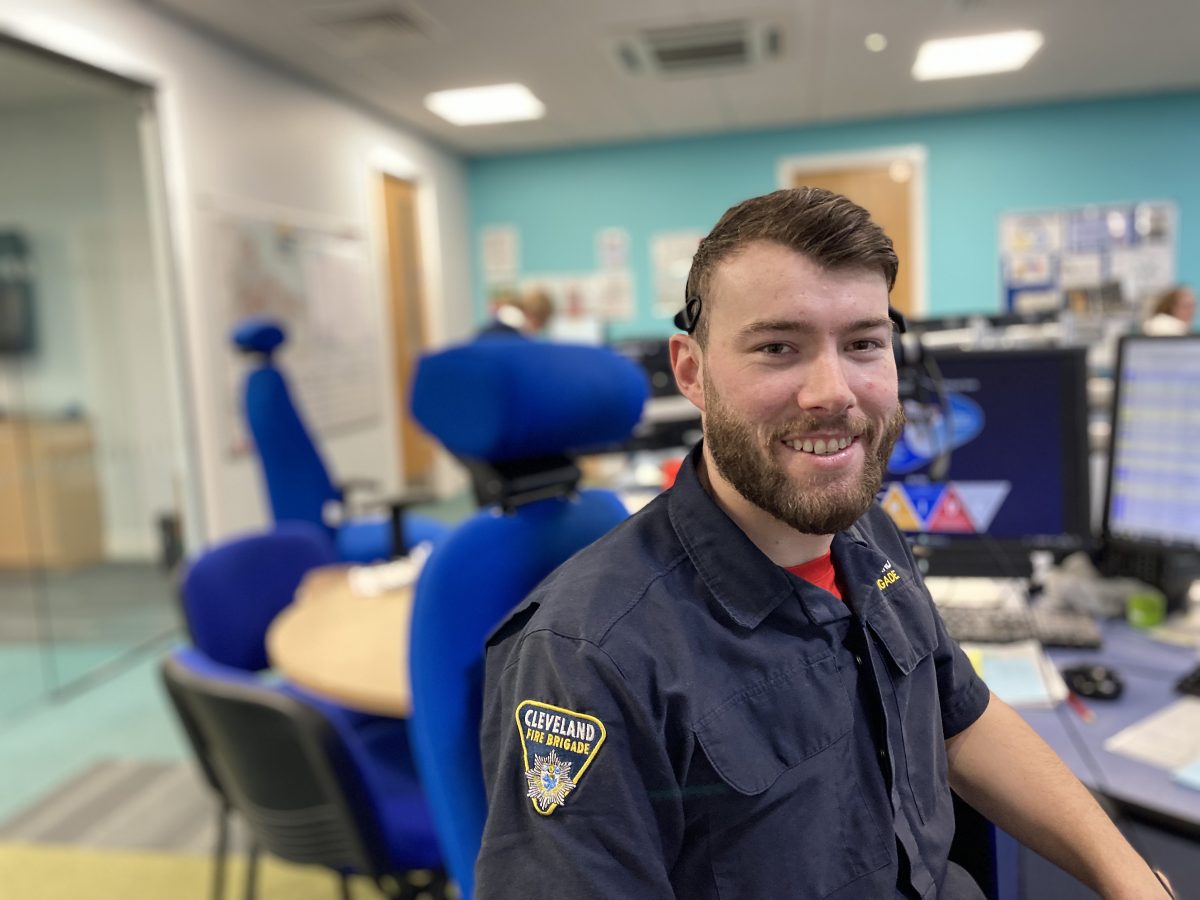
<point x="698" y="49"/>
<point x="368" y="25"/>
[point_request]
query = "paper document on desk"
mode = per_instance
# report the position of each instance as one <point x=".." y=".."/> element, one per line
<point x="1017" y="673"/>
<point x="1189" y="776"/>
<point x="1169" y="739"/>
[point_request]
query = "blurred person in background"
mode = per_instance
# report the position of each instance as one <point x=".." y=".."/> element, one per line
<point x="525" y="314"/>
<point x="1172" y="312"/>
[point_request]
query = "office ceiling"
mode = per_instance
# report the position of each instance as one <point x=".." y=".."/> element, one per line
<point x="806" y="59"/>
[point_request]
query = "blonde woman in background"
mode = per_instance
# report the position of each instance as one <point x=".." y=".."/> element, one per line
<point x="520" y="314"/>
<point x="1172" y="312"/>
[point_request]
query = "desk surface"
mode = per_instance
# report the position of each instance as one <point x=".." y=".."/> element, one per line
<point x="1149" y="670"/>
<point x="348" y="648"/>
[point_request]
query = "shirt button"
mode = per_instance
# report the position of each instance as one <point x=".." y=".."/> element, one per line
<point x="857" y="659"/>
<point x="882" y="753"/>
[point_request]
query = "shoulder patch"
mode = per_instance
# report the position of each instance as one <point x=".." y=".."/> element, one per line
<point x="558" y="745"/>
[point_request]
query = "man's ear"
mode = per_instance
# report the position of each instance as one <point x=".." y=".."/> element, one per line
<point x="687" y="361"/>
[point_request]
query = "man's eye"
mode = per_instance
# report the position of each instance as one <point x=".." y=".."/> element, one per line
<point x="773" y="349"/>
<point x="866" y="344"/>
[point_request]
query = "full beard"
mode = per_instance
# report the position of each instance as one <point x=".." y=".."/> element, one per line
<point x="746" y="460"/>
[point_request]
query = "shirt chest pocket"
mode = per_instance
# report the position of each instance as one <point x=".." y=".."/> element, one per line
<point x="781" y="754"/>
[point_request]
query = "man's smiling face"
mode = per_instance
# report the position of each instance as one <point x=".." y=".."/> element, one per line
<point x="799" y="385"/>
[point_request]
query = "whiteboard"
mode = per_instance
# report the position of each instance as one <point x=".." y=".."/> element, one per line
<point x="316" y="283"/>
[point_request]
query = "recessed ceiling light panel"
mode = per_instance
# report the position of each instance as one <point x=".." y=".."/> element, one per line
<point x="487" y="105"/>
<point x="981" y="54"/>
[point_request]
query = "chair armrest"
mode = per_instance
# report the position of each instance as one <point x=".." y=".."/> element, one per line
<point x="395" y="506"/>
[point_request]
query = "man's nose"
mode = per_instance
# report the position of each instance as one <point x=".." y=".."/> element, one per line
<point x="825" y="387"/>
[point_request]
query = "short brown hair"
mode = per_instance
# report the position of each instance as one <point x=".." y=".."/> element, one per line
<point x="1166" y="301"/>
<point x="537" y="306"/>
<point x="829" y="229"/>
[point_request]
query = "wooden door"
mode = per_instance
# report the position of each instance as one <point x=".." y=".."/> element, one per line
<point x="884" y="190"/>
<point x="409" y="337"/>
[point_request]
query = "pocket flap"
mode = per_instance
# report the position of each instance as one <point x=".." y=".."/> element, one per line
<point x="905" y="626"/>
<point x="759" y="733"/>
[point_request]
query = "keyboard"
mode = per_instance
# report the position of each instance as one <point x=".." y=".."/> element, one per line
<point x="1190" y="683"/>
<point x="986" y="625"/>
<point x="1065" y="628"/>
<point x="1003" y="625"/>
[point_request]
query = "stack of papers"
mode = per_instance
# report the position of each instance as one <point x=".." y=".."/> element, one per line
<point x="1018" y="673"/>
<point x="1169" y="739"/>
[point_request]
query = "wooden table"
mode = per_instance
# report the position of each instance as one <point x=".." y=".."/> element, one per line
<point x="348" y="648"/>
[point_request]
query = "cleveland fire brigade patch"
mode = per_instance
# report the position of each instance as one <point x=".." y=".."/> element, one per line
<point x="559" y="745"/>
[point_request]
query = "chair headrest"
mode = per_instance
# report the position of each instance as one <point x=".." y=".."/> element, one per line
<point x="259" y="334"/>
<point x="507" y="400"/>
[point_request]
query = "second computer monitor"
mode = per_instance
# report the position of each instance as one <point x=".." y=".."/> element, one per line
<point x="1151" y="525"/>
<point x="1014" y="425"/>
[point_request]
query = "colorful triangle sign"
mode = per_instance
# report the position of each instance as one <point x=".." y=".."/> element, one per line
<point x="950" y="515"/>
<point x="895" y="504"/>
<point x="983" y="500"/>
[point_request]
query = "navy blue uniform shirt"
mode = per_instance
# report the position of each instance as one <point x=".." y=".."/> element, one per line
<point x="670" y="714"/>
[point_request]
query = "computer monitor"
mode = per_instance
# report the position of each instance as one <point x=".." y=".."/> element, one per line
<point x="669" y="420"/>
<point x="1151" y="524"/>
<point x="1015" y="425"/>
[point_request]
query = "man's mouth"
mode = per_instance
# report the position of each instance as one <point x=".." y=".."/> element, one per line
<point x="820" y="446"/>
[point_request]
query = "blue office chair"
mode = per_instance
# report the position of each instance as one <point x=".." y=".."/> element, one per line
<point x="231" y="591"/>
<point x="229" y="594"/>
<point x="298" y="482"/>
<point x="310" y="790"/>
<point x="514" y="412"/>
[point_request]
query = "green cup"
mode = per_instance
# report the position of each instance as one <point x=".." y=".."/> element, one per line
<point x="1145" y="609"/>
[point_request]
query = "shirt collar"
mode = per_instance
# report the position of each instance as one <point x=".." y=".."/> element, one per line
<point x="740" y="576"/>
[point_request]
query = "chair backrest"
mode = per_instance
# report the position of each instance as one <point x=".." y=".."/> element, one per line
<point x="282" y="765"/>
<point x="298" y="481"/>
<point x="511" y="409"/>
<point x="232" y="591"/>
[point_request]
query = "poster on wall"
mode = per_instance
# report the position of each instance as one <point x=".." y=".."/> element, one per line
<point x="612" y="249"/>
<point x="316" y="283"/>
<point x="671" y="256"/>
<point x="1096" y="260"/>
<point x="501" y="254"/>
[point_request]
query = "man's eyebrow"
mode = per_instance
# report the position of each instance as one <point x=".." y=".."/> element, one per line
<point x="775" y="326"/>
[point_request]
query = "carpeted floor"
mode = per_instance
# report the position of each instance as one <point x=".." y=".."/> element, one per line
<point x="124" y="805"/>
<point x="112" y="601"/>
<point x="54" y="872"/>
<point x="126" y="830"/>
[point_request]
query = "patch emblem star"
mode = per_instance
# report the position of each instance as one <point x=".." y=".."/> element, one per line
<point x="558" y="746"/>
<point x="549" y="781"/>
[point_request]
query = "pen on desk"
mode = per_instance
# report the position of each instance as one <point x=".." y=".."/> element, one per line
<point x="1080" y="707"/>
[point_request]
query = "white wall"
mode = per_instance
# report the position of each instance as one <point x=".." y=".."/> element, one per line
<point x="235" y="130"/>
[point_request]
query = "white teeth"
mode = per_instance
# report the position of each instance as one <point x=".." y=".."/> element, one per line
<point x="822" y="447"/>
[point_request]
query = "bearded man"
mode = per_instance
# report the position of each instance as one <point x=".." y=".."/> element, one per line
<point x="745" y="690"/>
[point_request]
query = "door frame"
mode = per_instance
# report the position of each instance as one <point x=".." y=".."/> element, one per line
<point x="789" y="167"/>
<point x="446" y="477"/>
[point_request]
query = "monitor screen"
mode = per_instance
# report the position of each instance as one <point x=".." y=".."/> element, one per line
<point x="669" y="421"/>
<point x="1153" y="492"/>
<point x="1014" y="423"/>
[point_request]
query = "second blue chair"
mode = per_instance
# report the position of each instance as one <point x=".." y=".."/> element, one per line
<point x="515" y="412"/>
<point x="298" y="482"/>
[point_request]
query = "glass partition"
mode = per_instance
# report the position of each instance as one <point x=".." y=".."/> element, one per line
<point x="90" y="471"/>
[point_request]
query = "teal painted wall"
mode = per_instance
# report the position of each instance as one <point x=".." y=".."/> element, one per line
<point x="979" y="165"/>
